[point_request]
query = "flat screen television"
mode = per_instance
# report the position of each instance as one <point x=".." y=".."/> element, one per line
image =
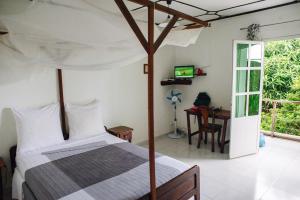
<point x="184" y="71"/>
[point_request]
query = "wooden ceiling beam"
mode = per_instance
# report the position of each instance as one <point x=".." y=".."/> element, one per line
<point x="132" y="23"/>
<point x="193" y="26"/>
<point x="170" y="11"/>
<point x="165" y="32"/>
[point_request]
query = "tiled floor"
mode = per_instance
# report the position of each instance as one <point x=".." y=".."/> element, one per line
<point x="272" y="174"/>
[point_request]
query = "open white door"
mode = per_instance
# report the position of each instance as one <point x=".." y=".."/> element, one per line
<point x="246" y="97"/>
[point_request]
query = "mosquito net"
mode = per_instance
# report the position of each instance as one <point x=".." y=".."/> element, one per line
<point x="77" y="34"/>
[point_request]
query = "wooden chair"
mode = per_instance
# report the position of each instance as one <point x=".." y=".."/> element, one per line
<point x="206" y="127"/>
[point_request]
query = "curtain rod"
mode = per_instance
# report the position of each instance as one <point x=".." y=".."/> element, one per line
<point x="285" y="22"/>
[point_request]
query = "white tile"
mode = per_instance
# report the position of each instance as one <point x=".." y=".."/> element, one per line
<point x="289" y="180"/>
<point x="204" y="197"/>
<point x="235" y="195"/>
<point x="275" y="194"/>
<point x="210" y="187"/>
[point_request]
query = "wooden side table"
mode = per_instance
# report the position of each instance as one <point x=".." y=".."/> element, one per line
<point x="122" y="132"/>
<point x="2" y="166"/>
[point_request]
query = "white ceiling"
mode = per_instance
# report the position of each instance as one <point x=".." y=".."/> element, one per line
<point x="15" y="6"/>
<point x="209" y="5"/>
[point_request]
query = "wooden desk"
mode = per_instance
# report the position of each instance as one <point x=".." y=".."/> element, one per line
<point x="222" y="115"/>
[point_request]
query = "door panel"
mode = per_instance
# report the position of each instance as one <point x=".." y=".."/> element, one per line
<point x="246" y="97"/>
<point x="242" y="79"/>
<point x="253" y="104"/>
<point x="240" y="106"/>
<point x="242" y="55"/>
<point x="255" y="55"/>
<point x="247" y="144"/>
<point x="255" y="80"/>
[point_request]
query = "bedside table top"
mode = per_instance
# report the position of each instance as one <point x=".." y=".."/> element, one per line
<point x="120" y="129"/>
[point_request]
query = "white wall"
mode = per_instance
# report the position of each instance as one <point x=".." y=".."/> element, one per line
<point x="122" y="91"/>
<point x="214" y="49"/>
<point x="133" y="111"/>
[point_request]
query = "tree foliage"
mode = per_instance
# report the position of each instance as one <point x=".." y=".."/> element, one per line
<point x="282" y="67"/>
<point x="282" y="81"/>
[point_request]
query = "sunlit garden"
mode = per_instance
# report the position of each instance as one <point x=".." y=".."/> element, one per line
<point x="282" y="87"/>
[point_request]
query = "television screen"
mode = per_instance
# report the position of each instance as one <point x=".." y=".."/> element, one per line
<point x="184" y="71"/>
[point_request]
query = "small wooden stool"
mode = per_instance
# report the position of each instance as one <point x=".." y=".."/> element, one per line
<point x="122" y="132"/>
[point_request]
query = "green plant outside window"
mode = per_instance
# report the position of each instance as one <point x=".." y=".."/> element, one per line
<point x="254" y="80"/>
<point x="253" y="105"/>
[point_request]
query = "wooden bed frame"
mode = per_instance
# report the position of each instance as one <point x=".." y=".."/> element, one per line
<point x="187" y="184"/>
<point x="182" y="187"/>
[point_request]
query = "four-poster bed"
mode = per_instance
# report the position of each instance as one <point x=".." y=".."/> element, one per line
<point x="186" y="184"/>
<point x="151" y="47"/>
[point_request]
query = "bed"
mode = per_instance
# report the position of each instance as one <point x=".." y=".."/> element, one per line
<point x="94" y="168"/>
<point x="103" y="166"/>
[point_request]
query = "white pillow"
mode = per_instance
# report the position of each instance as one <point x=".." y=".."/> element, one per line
<point x="84" y="120"/>
<point x="38" y="127"/>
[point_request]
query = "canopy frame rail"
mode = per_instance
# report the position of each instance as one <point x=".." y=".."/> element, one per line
<point x="151" y="48"/>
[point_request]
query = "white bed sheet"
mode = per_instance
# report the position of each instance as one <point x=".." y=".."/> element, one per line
<point x="31" y="159"/>
<point x="17" y="192"/>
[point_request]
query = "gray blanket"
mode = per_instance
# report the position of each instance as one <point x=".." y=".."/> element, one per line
<point x="95" y="171"/>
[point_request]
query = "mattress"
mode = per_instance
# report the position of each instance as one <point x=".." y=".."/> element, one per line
<point x="92" y="168"/>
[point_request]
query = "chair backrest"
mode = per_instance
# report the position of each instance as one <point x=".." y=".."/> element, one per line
<point x="204" y="111"/>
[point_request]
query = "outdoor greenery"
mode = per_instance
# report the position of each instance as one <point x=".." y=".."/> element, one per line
<point x="282" y="81"/>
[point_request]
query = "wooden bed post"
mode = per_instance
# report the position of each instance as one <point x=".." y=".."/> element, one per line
<point x="61" y="102"/>
<point x="151" y="100"/>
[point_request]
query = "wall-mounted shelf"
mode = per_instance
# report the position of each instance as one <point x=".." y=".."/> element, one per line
<point x="178" y="81"/>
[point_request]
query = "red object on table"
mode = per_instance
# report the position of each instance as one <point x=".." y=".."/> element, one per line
<point x="199" y="72"/>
